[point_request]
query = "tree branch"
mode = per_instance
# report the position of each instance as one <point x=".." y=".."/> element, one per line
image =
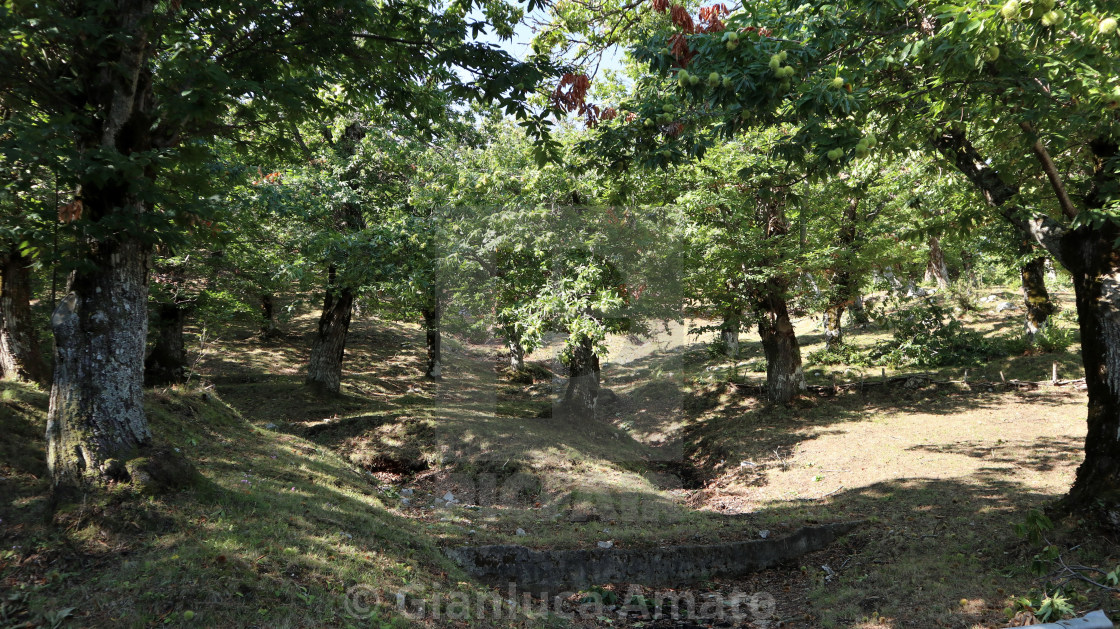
<point x="956" y="148"/>
<point x="1039" y="150"/>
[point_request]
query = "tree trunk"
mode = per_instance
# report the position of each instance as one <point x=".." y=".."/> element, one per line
<point x="20" y="353"/>
<point x="516" y="349"/>
<point x="324" y="369"/>
<point x="269" y="328"/>
<point x="729" y="338"/>
<point x="857" y="312"/>
<point x="784" y="375"/>
<point x="843" y="283"/>
<point x="1096" y="281"/>
<point x="167" y="361"/>
<point x="583" y="382"/>
<point x="833" y="331"/>
<point x="895" y="285"/>
<point x="432" y="316"/>
<point x="936" y="267"/>
<point x="96" y="418"/>
<point x="729" y="333"/>
<point x="1035" y="295"/>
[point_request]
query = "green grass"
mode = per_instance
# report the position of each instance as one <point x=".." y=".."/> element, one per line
<point x="274" y="534"/>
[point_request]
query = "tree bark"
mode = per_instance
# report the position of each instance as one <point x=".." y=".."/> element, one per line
<point x="1036" y="297"/>
<point x="166" y="363"/>
<point x="936" y="267"/>
<point x="582" y="392"/>
<point x="269" y="328"/>
<point x="516" y="349"/>
<point x="784" y="375"/>
<point x="20" y="351"/>
<point x="1096" y="275"/>
<point x="432" y="315"/>
<point x="729" y="333"/>
<point x="96" y="418"/>
<point x="324" y="369"/>
<point x="833" y="330"/>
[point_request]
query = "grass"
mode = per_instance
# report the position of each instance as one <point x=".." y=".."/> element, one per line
<point x="275" y="534"/>
<point x="305" y="496"/>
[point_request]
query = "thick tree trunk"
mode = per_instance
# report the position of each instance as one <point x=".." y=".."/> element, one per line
<point x="1093" y="260"/>
<point x="582" y="392"/>
<point x="1036" y="297"/>
<point x="166" y="363"/>
<point x="20" y="353"/>
<point x="729" y="333"/>
<point x="432" y="316"/>
<point x="516" y="349"/>
<point x="833" y="330"/>
<point x="784" y="375"/>
<point x="96" y="418"/>
<point x="324" y="369"/>
<point x="1097" y="288"/>
<point x="729" y="338"/>
<point x="936" y="267"/>
<point x="269" y="328"/>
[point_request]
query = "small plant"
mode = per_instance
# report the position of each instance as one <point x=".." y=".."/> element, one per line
<point x="963" y="294"/>
<point x="642" y="605"/>
<point x="1046" y="608"/>
<point x="1034" y="527"/>
<point x="55" y="618"/>
<point x="1053" y="339"/>
<point x="596" y="594"/>
<point x="1041" y="562"/>
<point x="842" y="355"/>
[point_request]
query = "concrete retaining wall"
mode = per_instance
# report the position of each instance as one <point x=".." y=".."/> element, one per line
<point x="551" y="570"/>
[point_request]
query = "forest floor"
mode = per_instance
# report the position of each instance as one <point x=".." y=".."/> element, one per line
<point x="306" y="496"/>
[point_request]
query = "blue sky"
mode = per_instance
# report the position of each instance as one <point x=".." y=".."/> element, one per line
<point x="523" y="34"/>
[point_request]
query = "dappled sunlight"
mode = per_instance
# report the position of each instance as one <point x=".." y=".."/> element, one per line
<point x="677" y="455"/>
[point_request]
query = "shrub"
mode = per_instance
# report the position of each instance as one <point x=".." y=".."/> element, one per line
<point x="927" y="335"/>
<point x="1054" y="339"/>
<point x="843" y="355"/>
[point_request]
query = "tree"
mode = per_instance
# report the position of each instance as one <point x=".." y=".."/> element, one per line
<point x="137" y="88"/>
<point x="20" y="354"/>
<point x="745" y="256"/>
<point x="347" y="219"/>
<point x="26" y="241"/>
